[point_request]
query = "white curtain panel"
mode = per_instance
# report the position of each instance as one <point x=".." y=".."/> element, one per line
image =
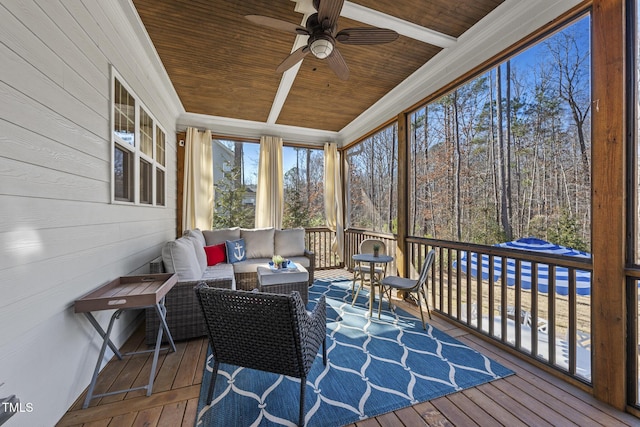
<point x="197" y="202"/>
<point x="270" y="193"/>
<point x="333" y="204"/>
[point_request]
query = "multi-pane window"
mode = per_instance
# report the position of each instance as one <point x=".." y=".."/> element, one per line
<point x="373" y="182"/>
<point x="139" y="154"/>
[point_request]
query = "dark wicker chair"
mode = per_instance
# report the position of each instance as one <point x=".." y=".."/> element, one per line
<point x="267" y="332"/>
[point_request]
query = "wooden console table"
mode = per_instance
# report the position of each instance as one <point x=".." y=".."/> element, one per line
<point x="127" y="293"/>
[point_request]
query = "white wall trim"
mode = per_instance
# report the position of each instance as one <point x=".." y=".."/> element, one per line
<point x="225" y="126"/>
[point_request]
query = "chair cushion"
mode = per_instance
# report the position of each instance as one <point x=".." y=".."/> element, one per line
<point x="289" y="242"/>
<point x="258" y="241"/>
<point x="216" y="254"/>
<point x="399" y="282"/>
<point x="215" y="237"/>
<point x="236" y="251"/>
<point x="179" y="256"/>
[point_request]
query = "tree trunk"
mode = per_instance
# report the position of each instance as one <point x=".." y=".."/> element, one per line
<point x="504" y="213"/>
<point x="456" y="171"/>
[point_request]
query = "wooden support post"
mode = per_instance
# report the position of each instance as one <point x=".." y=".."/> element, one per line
<point x="403" y="196"/>
<point x="608" y="203"/>
<point x="181" y="137"/>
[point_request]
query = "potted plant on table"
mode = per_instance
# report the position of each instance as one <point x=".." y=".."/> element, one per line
<point x="376" y="250"/>
<point x="278" y="261"/>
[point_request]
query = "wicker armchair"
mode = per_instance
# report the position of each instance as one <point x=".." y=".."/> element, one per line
<point x="267" y="332"/>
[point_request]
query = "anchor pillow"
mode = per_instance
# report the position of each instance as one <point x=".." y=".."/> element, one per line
<point x="235" y="251"/>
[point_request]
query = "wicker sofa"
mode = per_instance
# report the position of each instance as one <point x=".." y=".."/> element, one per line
<point x="187" y="257"/>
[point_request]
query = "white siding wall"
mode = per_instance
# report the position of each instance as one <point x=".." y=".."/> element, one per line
<point x="59" y="235"/>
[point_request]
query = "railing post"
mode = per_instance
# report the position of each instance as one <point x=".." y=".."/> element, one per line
<point x="608" y="202"/>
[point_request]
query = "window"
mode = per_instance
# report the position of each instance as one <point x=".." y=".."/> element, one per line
<point x="122" y="174"/>
<point x="235" y="174"/>
<point x="373" y="179"/>
<point x="139" y="153"/>
<point x="303" y="170"/>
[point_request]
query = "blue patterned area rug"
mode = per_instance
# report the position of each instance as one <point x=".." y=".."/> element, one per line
<point x="374" y="367"/>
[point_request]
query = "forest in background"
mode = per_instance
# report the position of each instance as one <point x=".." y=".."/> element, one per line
<point x="503" y="156"/>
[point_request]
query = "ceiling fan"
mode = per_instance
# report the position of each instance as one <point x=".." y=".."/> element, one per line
<point x="321" y="27"/>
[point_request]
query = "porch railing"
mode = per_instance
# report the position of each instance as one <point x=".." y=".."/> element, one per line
<point x="553" y="329"/>
<point x="319" y="241"/>
<point x="353" y="237"/>
<point x="550" y="328"/>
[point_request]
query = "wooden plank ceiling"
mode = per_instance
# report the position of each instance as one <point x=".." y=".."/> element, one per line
<point x="223" y="65"/>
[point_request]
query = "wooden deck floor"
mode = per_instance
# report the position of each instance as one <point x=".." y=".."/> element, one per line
<point x="532" y="397"/>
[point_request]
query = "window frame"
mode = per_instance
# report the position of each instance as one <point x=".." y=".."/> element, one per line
<point x="136" y="154"/>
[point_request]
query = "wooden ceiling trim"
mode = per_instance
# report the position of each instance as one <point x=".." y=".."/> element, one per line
<point x="445" y="16"/>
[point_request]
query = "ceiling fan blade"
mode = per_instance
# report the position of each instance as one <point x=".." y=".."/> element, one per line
<point x="366" y="35"/>
<point x="338" y="65"/>
<point x="277" y="24"/>
<point x="329" y="12"/>
<point x="291" y="60"/>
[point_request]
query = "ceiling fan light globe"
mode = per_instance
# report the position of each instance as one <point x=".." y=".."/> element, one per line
<point x="321" y="48"/>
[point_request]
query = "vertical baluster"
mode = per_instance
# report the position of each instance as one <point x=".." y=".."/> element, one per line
<point x="492" y="295"/>
<point x="534" y="309"/>
<point x="572" y="320"/>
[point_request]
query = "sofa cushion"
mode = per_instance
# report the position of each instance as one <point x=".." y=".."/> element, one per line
<point x="250" y="265"/>
<point x="236" y="251"/>
<point x="201" y="256"/>
<point x="302" y="260"/>
<point x="289" y="242"/>
<point x="215" y="237"/>
<point x="197" y="234"/>
<point x="220" y="271"/>
<point x="179" y="256"/>
<point x="216" y="254"/>
<point x="258" y="242"/>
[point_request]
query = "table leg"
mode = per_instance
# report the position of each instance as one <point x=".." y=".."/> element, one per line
<point x="102" y="333"/>
<point x="106" y="341"/>
<point x="372" y="294"/>
<point x="161" y="311"/>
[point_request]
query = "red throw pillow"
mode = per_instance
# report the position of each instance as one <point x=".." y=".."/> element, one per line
<point x="216" y="254"/>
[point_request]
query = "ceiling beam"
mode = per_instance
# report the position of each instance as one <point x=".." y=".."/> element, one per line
<point x="288" y="77"/>
<point x="409" y="29"/>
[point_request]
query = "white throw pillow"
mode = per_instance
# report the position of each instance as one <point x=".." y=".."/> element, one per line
<point x="289" y="242"/>
<point x="197" y="234"/>
<point x="201" y="255"/>
<point x="215" y="237"/>
<point x="179" y="256"/>
<point x="258" y="242"/>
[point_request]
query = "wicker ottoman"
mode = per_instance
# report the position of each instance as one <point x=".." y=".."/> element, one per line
<point x="284" y="281"/>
